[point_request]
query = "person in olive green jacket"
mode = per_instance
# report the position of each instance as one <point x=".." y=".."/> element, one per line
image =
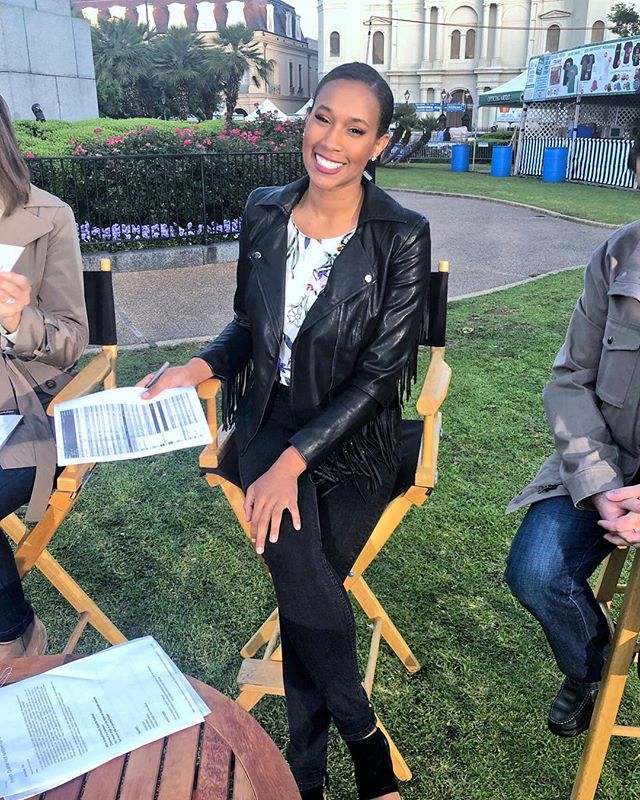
<point x="586" y="497"/>
<point x="43" y="332"/>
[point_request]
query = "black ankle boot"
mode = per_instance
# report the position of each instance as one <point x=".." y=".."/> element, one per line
<point x="571" y="710"/>
<point x="317" y="793"/>
<point x="372" y="764"/>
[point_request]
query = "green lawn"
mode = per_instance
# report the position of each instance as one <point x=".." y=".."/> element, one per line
<point x="164" y="556"/>
<point x="615" y="206"/>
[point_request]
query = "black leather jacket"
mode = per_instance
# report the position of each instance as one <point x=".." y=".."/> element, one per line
<point x="356" y="353"/>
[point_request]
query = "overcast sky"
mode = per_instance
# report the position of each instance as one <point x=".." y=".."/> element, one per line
<point x="308" y="10"/>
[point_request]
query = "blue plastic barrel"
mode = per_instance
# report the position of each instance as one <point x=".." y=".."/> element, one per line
<point x="460" y="158"/>
<point x="501" y="159"/>
<point x="554" y="164"/>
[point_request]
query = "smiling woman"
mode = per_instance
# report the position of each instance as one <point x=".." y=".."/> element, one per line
<point x="332" y="284"/>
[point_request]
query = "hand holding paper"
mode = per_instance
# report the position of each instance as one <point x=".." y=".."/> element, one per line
<point x="9" y="254"/>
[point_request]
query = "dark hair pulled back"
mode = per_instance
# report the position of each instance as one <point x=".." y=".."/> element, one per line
<point x="357" y="71"/>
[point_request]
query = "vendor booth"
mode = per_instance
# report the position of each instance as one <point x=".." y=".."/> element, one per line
<point x="588" y="101"/>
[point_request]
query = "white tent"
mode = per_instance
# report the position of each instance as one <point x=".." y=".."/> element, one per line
<point x="301" y="112"/>
<point x="266" y="107"/>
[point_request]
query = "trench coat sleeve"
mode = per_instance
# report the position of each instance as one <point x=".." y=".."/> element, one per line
<point x="590" y="459"/>
<point x="231" y="351"/>
<point x="54" y="329"/>
<point x="377" y="372"/>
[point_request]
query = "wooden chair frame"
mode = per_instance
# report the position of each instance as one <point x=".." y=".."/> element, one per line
<point x="32" y="542"/>
<point x="261" y="676"/>
<point x="624" y="646"/>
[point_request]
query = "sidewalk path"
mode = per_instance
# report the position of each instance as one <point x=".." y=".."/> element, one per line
<point x="488" y="245"/>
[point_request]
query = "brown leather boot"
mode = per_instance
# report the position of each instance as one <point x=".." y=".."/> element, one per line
<point x="33" y="642"/>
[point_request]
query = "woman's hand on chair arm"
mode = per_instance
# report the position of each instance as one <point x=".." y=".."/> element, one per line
<point x="623" y="524"/>
<point x="191" y="374"/>
<point x="272" y="494"/>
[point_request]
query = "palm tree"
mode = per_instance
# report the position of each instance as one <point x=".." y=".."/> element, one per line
<point x="121" y="56"/>
<point x="180" y="63"/>
<point x="239" y="55"/>
<point x="427" y="125"/>
<point x="405" y="118"/>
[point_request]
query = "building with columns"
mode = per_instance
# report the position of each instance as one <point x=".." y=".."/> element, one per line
<point x="453" y="48"/>
<point x="293" y="58"/>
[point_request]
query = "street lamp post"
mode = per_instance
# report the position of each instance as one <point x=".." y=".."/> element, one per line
<point x="407" y="96"/>
<point x="466" y="117"/>
<point x="442" y="119"/>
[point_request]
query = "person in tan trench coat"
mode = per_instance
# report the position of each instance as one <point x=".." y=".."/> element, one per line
<point x="586" y="496"/>
<point x="43" y="332"/>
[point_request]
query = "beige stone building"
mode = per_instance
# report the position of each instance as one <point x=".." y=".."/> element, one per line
<point x="293" y="57"/>
<point x="453" y="48"/>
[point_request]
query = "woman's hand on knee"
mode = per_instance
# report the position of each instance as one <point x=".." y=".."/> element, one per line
<point x="272" y="494"/>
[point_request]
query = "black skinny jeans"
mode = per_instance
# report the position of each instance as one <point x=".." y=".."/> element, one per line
<point x="15" y="612"/>
<point x="322" y="679"/>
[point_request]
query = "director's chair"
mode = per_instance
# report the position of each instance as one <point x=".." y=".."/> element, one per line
<point x="416" y="479"/>
<point x="32" y="542"/>
<point x="624" y="647"/>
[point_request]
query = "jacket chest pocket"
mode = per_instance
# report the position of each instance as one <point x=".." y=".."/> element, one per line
<point x="618" y="362"/>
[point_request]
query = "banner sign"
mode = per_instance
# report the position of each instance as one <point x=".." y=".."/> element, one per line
<point x="435" y="108"/>
<point x="606" y="68"/>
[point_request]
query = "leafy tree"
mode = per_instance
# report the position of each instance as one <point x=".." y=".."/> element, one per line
<point x="625" y="20"/>
<point x="121" y="57"/>
<point x="180" y="61"/>
<point x="239" y="54"/>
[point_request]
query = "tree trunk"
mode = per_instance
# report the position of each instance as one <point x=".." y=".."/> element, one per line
<point x="231" y="99"/>
<point x="415" y="147"/>
<point x="395" y="136"/>
<point x="182" y="99"/>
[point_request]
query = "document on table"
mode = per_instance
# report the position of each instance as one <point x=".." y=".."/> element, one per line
<point x="9" y="254"/>
<point x="118" y="424"/>
<point x="73" y="718"/>
<point x="8" y="424"/>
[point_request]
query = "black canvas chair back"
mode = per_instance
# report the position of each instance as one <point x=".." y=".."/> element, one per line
<point x="98" y="297"/>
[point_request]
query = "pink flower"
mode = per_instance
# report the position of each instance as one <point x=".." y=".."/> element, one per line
<point x="148" y="144"/>
<point x="185" y="142"/>
<point x="279" y="128"/>
<point x="72" y="141"/>
<point x="97" y="130"/>
<point x="235" y="131"/>
<point x="206" y="141"/>
<point x="29" y="155"/>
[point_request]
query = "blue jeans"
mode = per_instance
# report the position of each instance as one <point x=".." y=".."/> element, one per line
<point x="556" y="550"/>
<point x="15" y="612"/>
<point x="322" y="678"/>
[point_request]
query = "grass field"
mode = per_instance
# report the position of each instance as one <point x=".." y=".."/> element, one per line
<point x="161" y="552"/>
<point x="615" y="206"/>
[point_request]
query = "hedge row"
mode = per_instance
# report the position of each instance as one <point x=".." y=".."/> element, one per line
<point x="53" y="138"/>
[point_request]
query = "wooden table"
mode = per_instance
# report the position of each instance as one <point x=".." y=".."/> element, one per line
<point x="229" y="756"/>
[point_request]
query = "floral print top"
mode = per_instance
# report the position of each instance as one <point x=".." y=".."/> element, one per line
<point x="309" y="263"/>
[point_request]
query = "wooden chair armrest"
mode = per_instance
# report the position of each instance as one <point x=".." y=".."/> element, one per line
<point x="85" y="382"/>
<point x="432" y="396"/>
<point x="435" y="386"/>
<point x="211" y="456"/>
<point x="208" y="390"/>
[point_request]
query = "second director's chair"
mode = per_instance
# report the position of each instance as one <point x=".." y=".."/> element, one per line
<point x="416" y="479"/>
<point x="624" y="648"/>
<point x="32" y="542"/>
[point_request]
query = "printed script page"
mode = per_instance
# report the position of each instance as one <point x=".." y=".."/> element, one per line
<point x="117" y="424"/>
<point x="67" y="721"/>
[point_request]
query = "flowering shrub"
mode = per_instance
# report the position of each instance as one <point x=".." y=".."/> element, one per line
<point x="117" y="233"/>
<point x="265" y="135"/>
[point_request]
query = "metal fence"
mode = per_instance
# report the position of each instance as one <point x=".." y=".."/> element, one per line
<point x="440" y="152"/>
<point x="149" y="200"/>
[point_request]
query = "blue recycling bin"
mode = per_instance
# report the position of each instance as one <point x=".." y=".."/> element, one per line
<point x="501" y="159"/>
<point x="460" y="157"/>
<point x="554" y="164"/>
